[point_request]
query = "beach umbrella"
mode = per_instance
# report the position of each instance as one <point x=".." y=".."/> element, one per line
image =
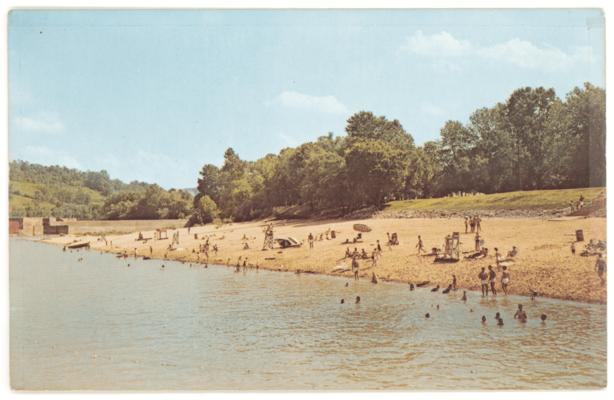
<point x="361" y="228"/>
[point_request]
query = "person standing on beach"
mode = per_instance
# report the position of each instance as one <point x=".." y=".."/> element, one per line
<point x="355" y="267"/>
<point x="483" y="276"/>
<point x="420" y="245"/>
<point x="472" y="224"/>
<point x="498" y="259"/>
<point x="573" y="249"/>
<point x="379" y="247"/>
<point x="310" y="240"/>
<point x="505" y="279"/>
<point x="600" y="267"/>
<point x="466" y="224"/>
<point x="477" y="241"/>
<point x="454" y="282"/>
<point x="478" y="223"/>
<point x="374" y="257"/>
<point x="492" y="275"/>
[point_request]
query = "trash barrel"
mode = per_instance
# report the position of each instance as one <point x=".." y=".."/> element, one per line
<point x="579" y="235"/>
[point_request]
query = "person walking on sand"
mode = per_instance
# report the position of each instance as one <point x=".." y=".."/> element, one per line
<point x="505" y="279"/>
<point x="355" y="267"/>
<point x="483" y="276"/>
<point x="379" y="247"/>
<point x="492" y="276"/>
<point x="478" y="223"/>
<point x="310" y="240"/>
<point x="420" y="245"/>
<point x="601" y="267"/>
<point x="466" y="224"/>
<point x="454" y="282"/>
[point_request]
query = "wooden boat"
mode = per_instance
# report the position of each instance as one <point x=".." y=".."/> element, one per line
<point x="78" y="245"/>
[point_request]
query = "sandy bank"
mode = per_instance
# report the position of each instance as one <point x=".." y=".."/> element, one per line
<point x="544" y="264"/>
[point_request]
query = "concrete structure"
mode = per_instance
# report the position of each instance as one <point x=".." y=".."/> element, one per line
<point x="49" y="229"/>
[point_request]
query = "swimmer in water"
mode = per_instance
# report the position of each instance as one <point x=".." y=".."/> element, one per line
<point x="427" y="315"/>
<point x="543" y="317"/>
<point x="411" y="286"/>
<point x="342" y="301"/>
<point x="464" y="298"/>
<point x="500" y="322"/>
<point x="497" y="315"/>
<point x="357" y="299"/>
<point x="520" y="314"/>
<point x="484" y="319"/>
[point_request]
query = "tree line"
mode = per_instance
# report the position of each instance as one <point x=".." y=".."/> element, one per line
<point x="533" y="140"/>
<point x="38" y="191"/>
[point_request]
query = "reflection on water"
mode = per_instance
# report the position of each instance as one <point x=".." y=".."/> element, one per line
<point x="101" y="324"/>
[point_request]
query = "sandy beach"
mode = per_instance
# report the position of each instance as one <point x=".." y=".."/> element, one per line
<point x="544" y="264"/>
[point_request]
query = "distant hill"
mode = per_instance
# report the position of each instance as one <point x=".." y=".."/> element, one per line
<point x="37" y="190"/>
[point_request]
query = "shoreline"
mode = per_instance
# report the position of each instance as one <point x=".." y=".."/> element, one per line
<point x="547" y="268"/>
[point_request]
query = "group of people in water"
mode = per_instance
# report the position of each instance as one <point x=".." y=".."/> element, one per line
<point x="520" y="316"/>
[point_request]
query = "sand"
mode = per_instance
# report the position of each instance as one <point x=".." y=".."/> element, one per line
<point x="544" y="263"/>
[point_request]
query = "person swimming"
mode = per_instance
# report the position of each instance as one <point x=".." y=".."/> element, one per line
<point x="357" y="299"/>
<point x="435" y="289"/>
<point x="464" y="298"/>
<point x="497" y="315"/>
<point x="342" y="301"/>
<point x="483" y="319"/>
<point x="500" y="322"/>
<point x="427" y="315"/>
<point x="411" y="286"/>
<point x="520" y="315"/>
<point x="543" y="317"/>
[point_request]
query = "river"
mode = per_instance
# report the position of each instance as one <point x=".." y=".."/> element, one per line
<point x="85" y="320"/>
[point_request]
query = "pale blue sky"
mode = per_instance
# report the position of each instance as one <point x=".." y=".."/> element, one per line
<point x="153" y="95"/>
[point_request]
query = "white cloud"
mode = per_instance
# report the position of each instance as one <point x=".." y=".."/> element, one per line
<point x="525" y="54"/>
<point x="46" y="156"/>
<point x="521" y="53"/>
<point x="440" y="44"/>
<point x="40" y="123"/>
<point x="301" y="101"/>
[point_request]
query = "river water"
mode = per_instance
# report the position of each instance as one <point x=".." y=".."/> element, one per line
<point x="100" y="324"/>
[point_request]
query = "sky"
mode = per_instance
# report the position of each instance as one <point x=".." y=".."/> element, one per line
<point x="154" y="95"/>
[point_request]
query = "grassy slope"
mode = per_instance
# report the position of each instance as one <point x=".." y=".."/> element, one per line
<point x="27" y="192"/>
<point x="536" y="199"/>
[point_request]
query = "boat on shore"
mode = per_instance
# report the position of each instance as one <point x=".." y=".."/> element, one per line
<point x="85" y="245"/>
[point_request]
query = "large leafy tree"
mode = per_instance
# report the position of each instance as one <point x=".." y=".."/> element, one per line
<point x="526" y="113"/>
